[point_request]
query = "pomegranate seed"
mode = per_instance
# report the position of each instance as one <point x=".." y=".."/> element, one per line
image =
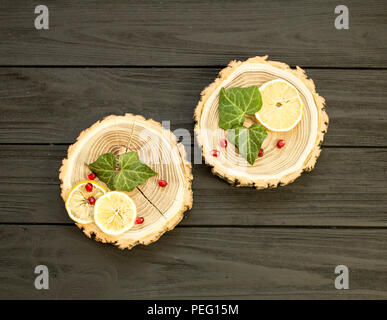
<point x="280" y="143"/>
<point x="215" y="153"/>
<point x="91" y="200"/>
<point x="91" y="176"/>
<point x="223" y="143"/>
<point x="162" y="183"/>
<point x="89" y="187"/>
<point x="260" y="153"/>
<point x="139" y="220"/>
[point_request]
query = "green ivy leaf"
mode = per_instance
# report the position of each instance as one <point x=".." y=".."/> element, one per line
<point x="234" y="103"/>
<point x="248" y="140"/>
<point x="131" y="172"/>
<point x="104" y="167"/>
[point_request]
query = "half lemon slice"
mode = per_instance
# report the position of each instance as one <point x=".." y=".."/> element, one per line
<point x="281" y="106"/>
<point x="115" y="213"/>
<point x="77" y="202"/>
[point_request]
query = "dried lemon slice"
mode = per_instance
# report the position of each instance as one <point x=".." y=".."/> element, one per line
<point x="115" y="213"/>
<point x="281" y="106"/>
<point x="78" y="204"/>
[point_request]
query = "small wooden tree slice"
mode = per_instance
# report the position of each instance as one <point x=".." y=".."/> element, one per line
<point x="162" y="208"/>
<point x="277" y="166"/>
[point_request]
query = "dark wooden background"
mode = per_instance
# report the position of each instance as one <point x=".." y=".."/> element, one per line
<point x="153" y="58"/>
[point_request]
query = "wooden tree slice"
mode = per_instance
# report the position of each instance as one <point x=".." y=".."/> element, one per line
<point x="162" y="208"/>
<point x="277" y="166"/>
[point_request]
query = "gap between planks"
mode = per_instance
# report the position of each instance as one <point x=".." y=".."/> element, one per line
<point x="287" y="227"/>
<point x="192" y="145"/>
<point x="172" y="67"/>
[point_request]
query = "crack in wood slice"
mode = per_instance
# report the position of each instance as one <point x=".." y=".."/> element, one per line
<point x="162" y="208"/>
<point x="130" y="137"/>
<point x="277" y="167"/>
<point x="127" y="149"/>
<point x="150" y="201"/>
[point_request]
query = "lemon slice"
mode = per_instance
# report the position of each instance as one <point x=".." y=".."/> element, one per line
<point x="77" y="203"/>
<point x="281" y="106"/>
<point x="115" y="213"/>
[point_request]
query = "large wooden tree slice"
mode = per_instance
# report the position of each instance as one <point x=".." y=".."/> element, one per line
<point x="278" y="166"/>
<point x="162" y="208"/>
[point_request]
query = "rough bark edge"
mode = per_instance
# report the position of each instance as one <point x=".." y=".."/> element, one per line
<point x="309" y="163"/>
<point x="187" y="172"/>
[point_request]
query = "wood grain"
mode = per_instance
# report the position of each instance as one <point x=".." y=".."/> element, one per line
<point x="303" y="143"/>
<point x="96" y="32"/>
<point x="347" y="188"/>
<point x="48" y="105"/>
<point x="236" y="242"/>
<point x="234" y="263"/>
<point x="161" y="208"/>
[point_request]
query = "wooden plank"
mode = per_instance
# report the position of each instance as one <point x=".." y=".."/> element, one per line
<point x="347" y="188"/>
<point x="100" y="32"/>
<point x="270" y="264"/>
<point x="53" y="105"/>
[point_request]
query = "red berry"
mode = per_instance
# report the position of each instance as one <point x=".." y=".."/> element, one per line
<point x="162" y="183"/>
<point x="260" y="153"/>
<point x="280" y="143"/>
<point x="139" y="220"/>
<point x="215" y="153"/>
<point x="91" y="176"/>
<point x="91" y="200"/>
<point x="89" y="187"/>
<point x="223" y="143"/>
